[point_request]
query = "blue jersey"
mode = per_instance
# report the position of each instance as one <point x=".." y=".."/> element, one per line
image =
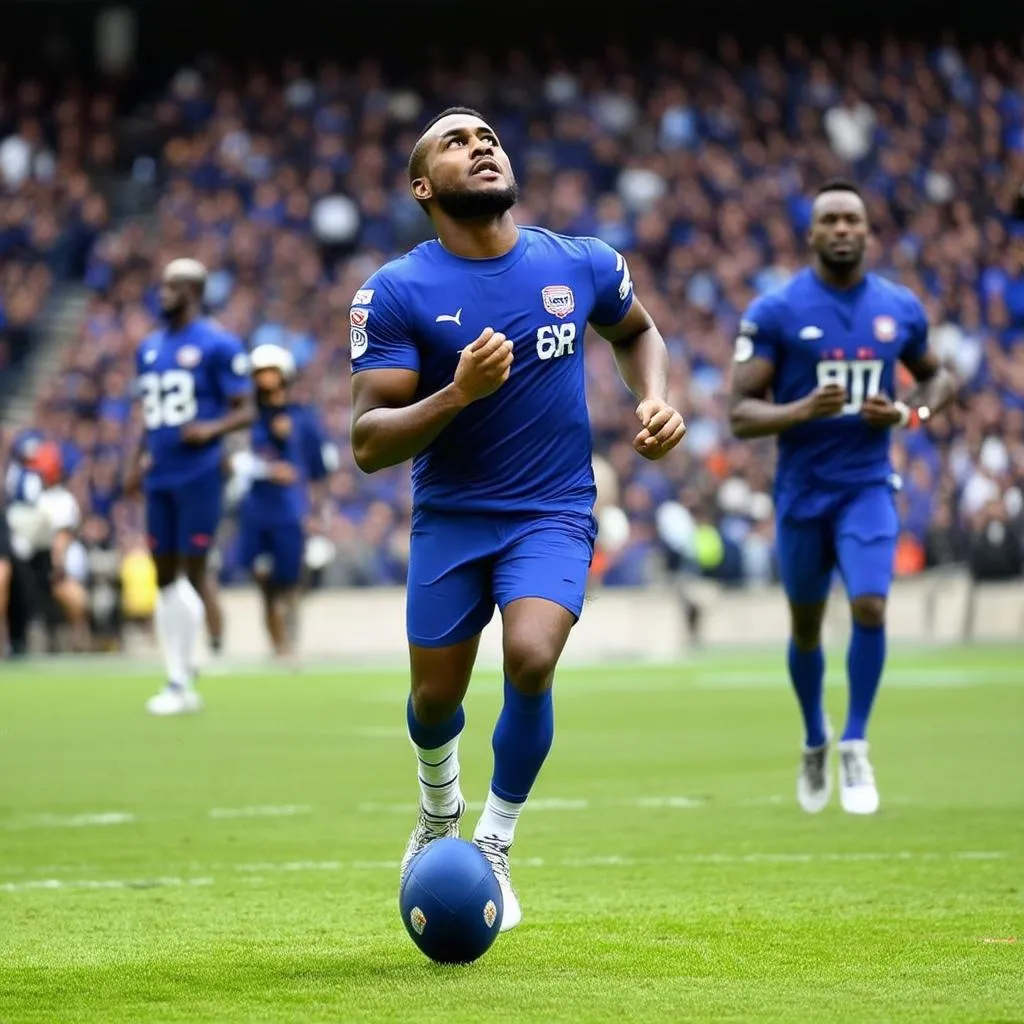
<point x="185" y="376"/>
<point x="291" y="434"/>
<point x="527" y="447"/>
<point x="815" y="335"/>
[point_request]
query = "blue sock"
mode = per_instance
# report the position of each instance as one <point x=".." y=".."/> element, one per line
<point x="807" y="672"/>
<point x="864" y="662"/>
<point x="522" y="739"/>
<point x="430" y="737"/>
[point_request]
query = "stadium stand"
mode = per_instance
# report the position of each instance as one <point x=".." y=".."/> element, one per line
<point x="290" y="184"/>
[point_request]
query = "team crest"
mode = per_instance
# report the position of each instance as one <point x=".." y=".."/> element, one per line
<point x="490" y="913"/>
<point x="189" y="357"/>
<point x="558" y="300"/>
<point x="358" y="317"/>
<point x="885" y="328"/>
<point x="418" y="920"/>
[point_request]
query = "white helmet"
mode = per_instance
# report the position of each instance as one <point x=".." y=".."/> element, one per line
<point x="272" y="357"/>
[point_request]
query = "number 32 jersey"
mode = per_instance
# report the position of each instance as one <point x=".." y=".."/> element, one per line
<point x="815" y="335"/>
<point x="527" y="447"/>
<point x="187" y="376"/>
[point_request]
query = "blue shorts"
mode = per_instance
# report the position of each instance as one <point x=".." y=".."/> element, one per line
<point x="182" y="519"/>
<point x="856" y="534"/>
<point x="461" y="566"/>
<point x="272" y="552"/>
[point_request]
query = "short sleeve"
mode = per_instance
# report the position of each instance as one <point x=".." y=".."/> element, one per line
<point x="759" y="332"/>
<point x="378" y="330"/>
<point x="233" y="367"/>
<point x="916" y="345"/>
<point x="613" y="287"/>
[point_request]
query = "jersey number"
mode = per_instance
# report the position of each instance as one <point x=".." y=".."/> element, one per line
<point x="168" y="399"/>
<point x="554" y="340"/>
<point x="861" y="378"/>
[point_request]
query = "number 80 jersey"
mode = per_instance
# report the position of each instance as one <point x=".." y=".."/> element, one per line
<point x="815" y="335"/>
<point x="187" y="376"/>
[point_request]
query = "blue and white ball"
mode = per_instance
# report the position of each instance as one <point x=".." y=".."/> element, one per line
<point x="450" y="902"/>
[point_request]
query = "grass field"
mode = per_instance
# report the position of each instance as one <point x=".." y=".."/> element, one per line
<point x="241" y="865"/>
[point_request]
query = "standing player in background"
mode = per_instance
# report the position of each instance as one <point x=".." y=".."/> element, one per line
<point x="825" y="346"/>
<point x="289" y="451"/>
<point x="503" y="489"/>
<point x="193" y="380"/>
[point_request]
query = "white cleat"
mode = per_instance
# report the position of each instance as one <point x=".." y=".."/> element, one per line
<point x="814" y="782"/>
<point x="430" y="827"/>
<point x="857" y="790"/>
<point x="497" y="853"/>
<point x="174" y="700"/>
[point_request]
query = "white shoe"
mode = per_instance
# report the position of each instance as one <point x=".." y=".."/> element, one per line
<point x="814" y="782"/>
<point x="428" y="828"/>
<point x="857" y="790"/>
<point x="497" y="853"/>
<point x="174" y="700"/>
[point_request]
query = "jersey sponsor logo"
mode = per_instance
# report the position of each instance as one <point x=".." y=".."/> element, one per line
<point x="811" y="333"/>
<point x="558" y="300"/>
<point x="884" y="328"/>
<point x="360" y="341"/>
<point x="450" y="318"/>
<point x="743" y="349"/>
<point x="358" y="317"/>
<point x="189" y="356"/>
<point x="748" y="328"/>
<point x="362" y="297"/>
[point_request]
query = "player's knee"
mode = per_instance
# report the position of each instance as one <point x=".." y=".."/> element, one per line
<point x="805" y="626"/>
<point x="869" y="611"/>
<point x="434" y="701"/>
<point x="166" y="571"/>
<point x="530" y="664"/>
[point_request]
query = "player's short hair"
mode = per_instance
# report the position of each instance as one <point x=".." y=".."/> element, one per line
<point x="840" y="185"/>
<point x="417" y="159"/>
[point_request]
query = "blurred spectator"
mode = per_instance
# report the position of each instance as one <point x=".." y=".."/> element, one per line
<point x="290" y="185"/>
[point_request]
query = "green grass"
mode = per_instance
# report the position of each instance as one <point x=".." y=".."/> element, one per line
<point x="241" y="865"/>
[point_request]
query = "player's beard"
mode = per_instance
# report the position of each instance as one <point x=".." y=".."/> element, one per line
<point x="474" y="204"/>
<point x="842" y="264"/>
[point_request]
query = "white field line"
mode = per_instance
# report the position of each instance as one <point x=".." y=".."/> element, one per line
<point x="257" y="872"/>
<point x="259" y="811"/>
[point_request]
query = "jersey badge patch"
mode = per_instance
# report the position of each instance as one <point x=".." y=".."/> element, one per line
<point x="884" y="328"/>
<point x="189" y="357"/>
<point x="558" y="300"/>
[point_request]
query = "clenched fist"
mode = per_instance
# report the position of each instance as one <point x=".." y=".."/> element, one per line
<point x="484" y="365"/>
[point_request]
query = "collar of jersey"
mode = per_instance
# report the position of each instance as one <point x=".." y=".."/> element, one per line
<point x="489" y="265"/>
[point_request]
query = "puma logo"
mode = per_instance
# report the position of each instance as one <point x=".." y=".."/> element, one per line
<point x="446" y="318"/>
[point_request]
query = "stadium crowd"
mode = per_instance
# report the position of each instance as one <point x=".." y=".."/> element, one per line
<point x="290" y="185"/>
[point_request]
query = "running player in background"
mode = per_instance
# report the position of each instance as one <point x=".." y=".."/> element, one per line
<point x="193" y="381"/>
<point x="825" y="347"/>
<point x="289" y="452"/>
<point x="503" y="488"/>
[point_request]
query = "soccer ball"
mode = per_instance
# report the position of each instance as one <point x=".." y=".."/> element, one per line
<point x="450" y="902"/>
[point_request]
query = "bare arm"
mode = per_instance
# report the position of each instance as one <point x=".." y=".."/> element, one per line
<point x="936" y="386"/>
<point x="640" y="353"/>
<point x="752" y="414"/>
<point x="643" y="363"/>
<point x="241" y="414"/>
<point x="388" y="427"/>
